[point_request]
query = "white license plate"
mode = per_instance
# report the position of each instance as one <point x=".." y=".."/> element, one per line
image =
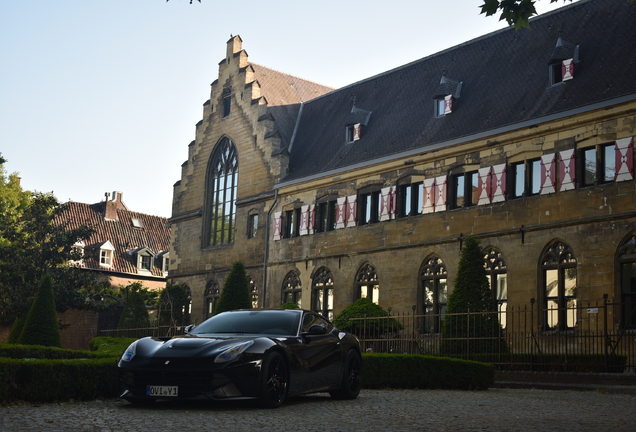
<point x="162" y="391"/>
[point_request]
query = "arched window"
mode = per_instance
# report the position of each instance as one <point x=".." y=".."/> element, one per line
<point x="627" y="266"/>
<point x="496" y="271"/>
<point x="558" y="267"/>
<point x="292" y="288"/>
<point x="322" y="293"/>
<point x="221" y="187"/>
<point x="253" y="291"/>
<point x="212" y="295"/>
<point x="433" y="293"/>
<point x="367" y="283"/>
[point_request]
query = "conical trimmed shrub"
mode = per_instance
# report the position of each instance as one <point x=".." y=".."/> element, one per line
<point x="236" y="290"/>
<point x="135" y="314"/>
<point x="41" y="326"/>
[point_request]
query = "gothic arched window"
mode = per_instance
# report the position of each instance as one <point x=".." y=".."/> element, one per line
<point x="367" y="283"/>
<point x="292" y="288"/>
<point x="433" y="293"/>
<point x="322" y="293"/>
<point x="221" y="187"/>
<point x="558" y="267"/>
<point x="627" y="266"/>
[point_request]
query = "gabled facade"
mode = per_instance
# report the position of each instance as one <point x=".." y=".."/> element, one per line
<point x="522" y="138"/>
<point x="126" y="246"/>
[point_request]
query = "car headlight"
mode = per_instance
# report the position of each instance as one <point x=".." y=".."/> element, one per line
<point x="232" y="352"/>
<point x="130" y="352"/>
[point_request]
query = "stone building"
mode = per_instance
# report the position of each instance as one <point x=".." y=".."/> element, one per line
<point x="521" y="138"/>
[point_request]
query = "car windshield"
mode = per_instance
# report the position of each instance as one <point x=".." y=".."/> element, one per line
<point x="281" y="322"/>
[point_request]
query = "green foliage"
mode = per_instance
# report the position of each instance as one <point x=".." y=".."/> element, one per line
<point x="480" y="331"/>
<point x="32" y="244"/>
<point x="110" y="346"/>
<point x="58" y="380"/>
<point x="236" y="290"/>
<point x="424" y="372"/>
<point x="41" y="326"/>
<point x="365" y="308"/>
<point x="135" y="314"/>
<point x="289" y="305"/>
<point x="16" y="329"/>
<point x="173" y="306"/>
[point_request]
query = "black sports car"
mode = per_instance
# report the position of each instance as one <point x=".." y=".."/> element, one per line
<point x="261" y="354"/>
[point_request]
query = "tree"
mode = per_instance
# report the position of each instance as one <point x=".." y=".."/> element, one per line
<point x="135" y="314"/>
<point x="34" y="243"/>
<point x="236" y="290"/>
<point x="515" y="12"/>
<point x="472" y="332"/>
<point x="41" y="326"/>
<point x="173" y="306"/>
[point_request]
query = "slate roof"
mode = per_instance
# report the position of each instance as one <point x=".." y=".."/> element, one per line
<point x="284" y="94"/>
<point x="505" y="83"/>
<point x="154" y="234"/>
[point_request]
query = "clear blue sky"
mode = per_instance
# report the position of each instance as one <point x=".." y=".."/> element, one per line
<point x="103" y="95"/>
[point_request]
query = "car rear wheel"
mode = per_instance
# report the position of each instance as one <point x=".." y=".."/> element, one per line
<point x="351" y="378"/>
<point x="274" y="379"/>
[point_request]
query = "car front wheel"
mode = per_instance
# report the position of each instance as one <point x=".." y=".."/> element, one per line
<point x="274" y="379"/>
<point x="351" y="379"/>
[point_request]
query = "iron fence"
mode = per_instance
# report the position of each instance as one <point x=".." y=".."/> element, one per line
<point x="577" y="337"/>
<point x="157" y="331"/>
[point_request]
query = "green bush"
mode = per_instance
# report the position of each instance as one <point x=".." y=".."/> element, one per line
<point x="16" y="351"/>
<point x="362" y="308"/>
<point x="409" y="371"/>
<point x="54" y="380"/>
<point x="110" y="346"/>
<point x="41" y="326"/>
<point x="236" y="291"/>
<point x="173" y="306"/>
<point x="135" y="314"/>
<point x="289" y="305"/>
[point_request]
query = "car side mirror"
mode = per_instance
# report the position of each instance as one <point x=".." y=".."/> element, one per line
<point x="317" y="329"/>
<point x="188" y="329"/>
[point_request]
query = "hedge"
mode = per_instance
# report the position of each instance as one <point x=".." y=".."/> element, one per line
<point x="52" y="380"/>
<point x="410" y="371"/>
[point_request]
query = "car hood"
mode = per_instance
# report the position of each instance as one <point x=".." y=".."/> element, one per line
<point x="186" y="346"/>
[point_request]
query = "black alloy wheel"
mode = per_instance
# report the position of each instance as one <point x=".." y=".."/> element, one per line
<point x="274" y="379"/>
<point x="351" y="378"/>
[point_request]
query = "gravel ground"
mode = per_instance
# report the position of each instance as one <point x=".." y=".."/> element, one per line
<point x="375" y="410"/>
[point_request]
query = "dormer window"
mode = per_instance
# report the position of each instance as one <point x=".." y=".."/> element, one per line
<point x="136" y="223"/>
<point x="353" y="133"/>
<point x="106" y="251"/>
<point x="446" y="93"/>
<point x="357" y="120"/>
<point x="145" y="259"/>
<point x="77" y="252"/>
<point x="562" y="61"/>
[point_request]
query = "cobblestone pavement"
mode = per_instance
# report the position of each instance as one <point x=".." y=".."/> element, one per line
<point x="375" y="410"/>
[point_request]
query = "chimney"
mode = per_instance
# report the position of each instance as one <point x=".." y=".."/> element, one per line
<point x="111" y="206"/>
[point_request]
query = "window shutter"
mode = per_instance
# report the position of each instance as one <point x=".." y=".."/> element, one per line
<point x="548" y="174"/>
<point x="304" y="220"/>
<point x="429" y="193"/>
<point x="448" y="104"/>
<point x="341" y="212"/>
<point x="311" y="214"/>
<point x="278" y="225"/>
<point x="567" y="170"/>
<point x="567" y="69"/>
<point x="498" y="188"/>
<point x="352" y="210"/>
<point x="356" y="131"/>
<point x="393" y="202"/>
<point x="624" y="159"/>
<point x="485" y="185"/>
<point x="385" y="204"/>
<point x="440" y="188"/>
